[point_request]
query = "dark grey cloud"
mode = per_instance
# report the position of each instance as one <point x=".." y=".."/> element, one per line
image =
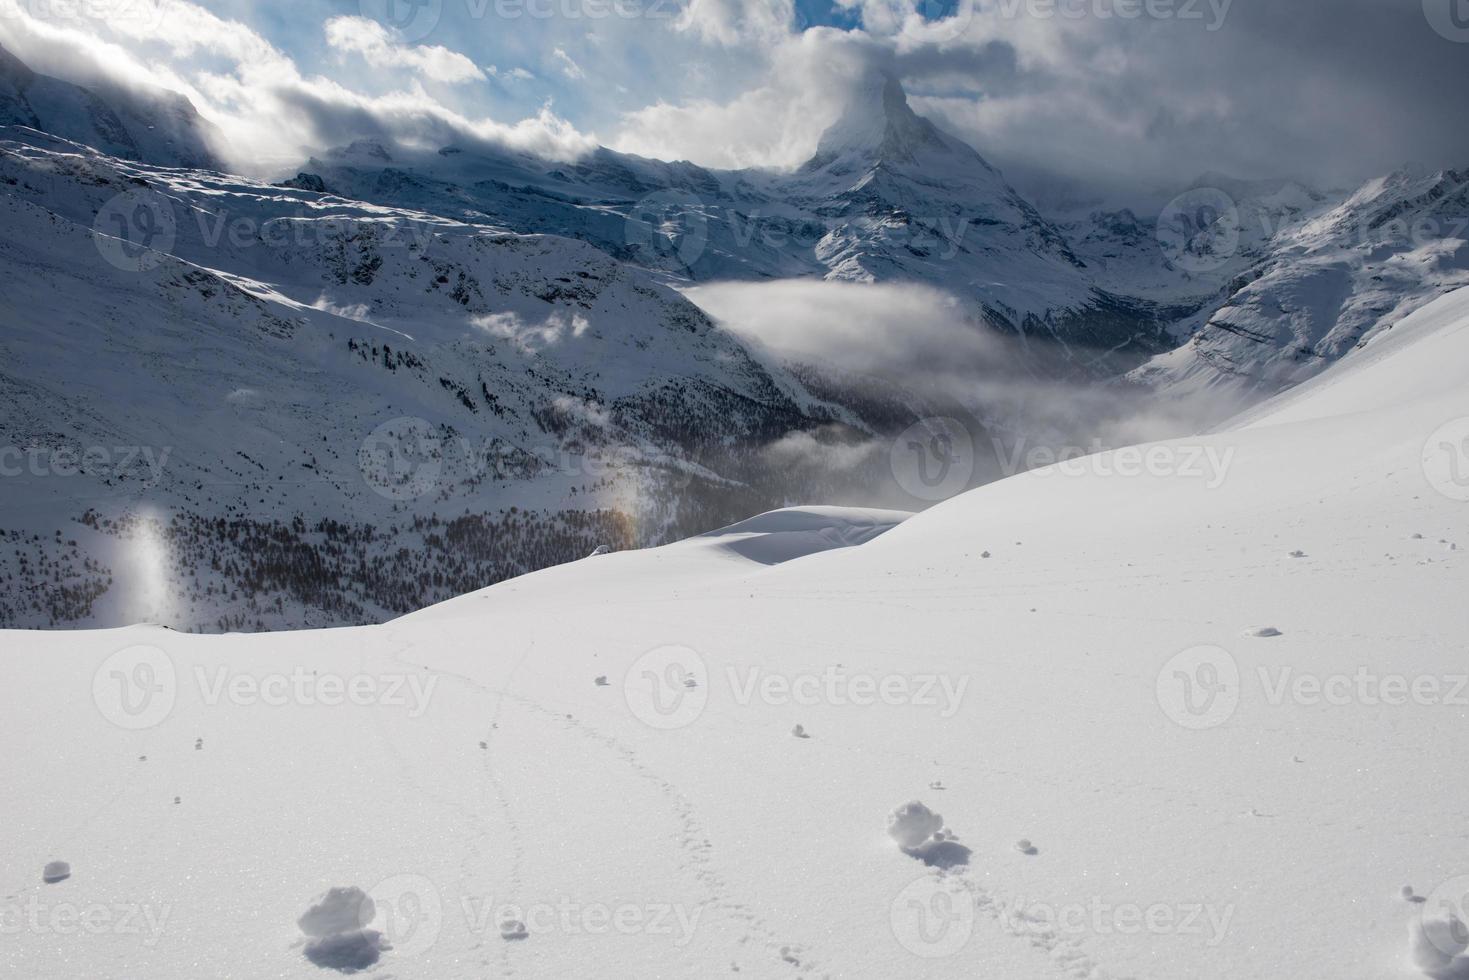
<point x="1328" y="91"/>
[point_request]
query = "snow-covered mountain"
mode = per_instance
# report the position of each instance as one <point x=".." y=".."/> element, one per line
<point x="405" y="373"/>
<point x="1315" y="277"/>
<point x="1098" y="721"/>
<point x="887" y="197"/>
<point x="325" y="411"/>
<point x="146" y="125"/>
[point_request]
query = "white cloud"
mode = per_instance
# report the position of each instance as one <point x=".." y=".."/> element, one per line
<point x="371" y="40"/>
<point x="734" y="22"/>
<point x="776" y="123"/>
<point x="569" y="68"/>
<point x="926" y="341"/>
<point x="270" y="115"/>
<point x="532" y="337"/>
<point x="1255" y="88"/>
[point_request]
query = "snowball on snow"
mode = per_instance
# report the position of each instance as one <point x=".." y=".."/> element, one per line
<point x="55" y="871"/>
<point x="342" y="909"/>
<point x="913" y="823"/>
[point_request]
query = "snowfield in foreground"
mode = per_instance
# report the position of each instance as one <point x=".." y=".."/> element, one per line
<point x="1194" y="710"/>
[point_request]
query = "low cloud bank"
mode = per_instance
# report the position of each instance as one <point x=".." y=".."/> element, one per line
<point x="924" y="345"/>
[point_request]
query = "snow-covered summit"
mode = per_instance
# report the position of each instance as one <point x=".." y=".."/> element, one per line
<point x="145" y="125"/>
<point x="879" y="127"/>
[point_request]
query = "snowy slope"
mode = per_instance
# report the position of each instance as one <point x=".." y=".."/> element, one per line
<point x="1075" y="667"/>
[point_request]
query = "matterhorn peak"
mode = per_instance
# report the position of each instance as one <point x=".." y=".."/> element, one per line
<point x="879" y="127"/>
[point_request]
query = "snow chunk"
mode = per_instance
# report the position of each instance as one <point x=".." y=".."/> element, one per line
<point x="341" y="909"/>
<point x="335" y="923"/>
<point x="55" y="871"/>
<point x="347" y="951"/>
<point x="513" y="929"/>
<point x="912" y="824"/>
<point x="1436" y="944"/>
<point x="1262" y="632"/>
